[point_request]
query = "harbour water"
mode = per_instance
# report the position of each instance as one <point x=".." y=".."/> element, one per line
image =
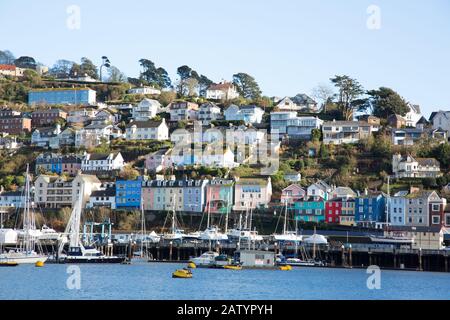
<point x="148" y="281"/>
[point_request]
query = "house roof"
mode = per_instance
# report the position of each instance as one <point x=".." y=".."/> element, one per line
<point x="431" y="162"/>
<point x="108" y="192"/>
<point x="302" y="99"/>
<point x="423" y="121"/>
<point x="221" y="86"/>
<point x="7" y="67"/>
<point x="102" y="156"/>
<point x="396" y="117"/>
<point x="145" y="124"/>
<point x="251" y="181"/>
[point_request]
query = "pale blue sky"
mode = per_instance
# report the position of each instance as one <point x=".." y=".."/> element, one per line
<point x="289" y="46"/>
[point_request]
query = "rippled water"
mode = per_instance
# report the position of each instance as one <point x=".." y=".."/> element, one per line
<point x="146" y="281"/>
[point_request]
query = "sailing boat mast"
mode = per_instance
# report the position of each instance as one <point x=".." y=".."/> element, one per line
<point x="285" y="219"/>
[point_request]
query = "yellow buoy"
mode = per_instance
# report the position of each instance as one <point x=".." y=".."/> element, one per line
<point x="233" y="267"/>
<point x="39" y="264"/>
<point x="182" y="273"/>
<point x="285" y="268"/>
<point x="191" y="265"/>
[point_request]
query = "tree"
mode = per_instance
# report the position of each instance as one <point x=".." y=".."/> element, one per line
<point x="61" y="69"/>
<point x="25" y="62"/>
<point x="204" y="83"/>
<point x="384" y="102"/>
<point x="128" y="173"/>
<point x="246" y="86"/>
<point x="115" y="75"/>
<point x="157" y="77"/>
<point x="88" y="68"/>
<point x="75" y="71"/>
<point x="6" y="57"/>
<point x="324" y="94"/>
<point x="166" y="97"/>
<point x="349" y="92"/>
<point x="191" y="85"/>
<point x="185" y="72"/>
<point x="188" y="82"/>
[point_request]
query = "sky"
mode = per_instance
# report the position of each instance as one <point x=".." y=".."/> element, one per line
<point x="289" y="46"/>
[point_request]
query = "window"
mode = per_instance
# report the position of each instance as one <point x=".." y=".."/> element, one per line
<point x="436" y="207"/>
<point x="436" y="219"/>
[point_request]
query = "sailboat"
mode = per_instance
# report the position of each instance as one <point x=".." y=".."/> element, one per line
<point x="288" y="236"/>
<point x="25" y="252"/>
<point x="244" y="230"/>
<point x="175" y="233"/>
<point x="77" y="252"/>
<point x="212" y="233"/>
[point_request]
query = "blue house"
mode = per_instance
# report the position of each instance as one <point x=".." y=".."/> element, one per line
<point x="310" y="211"/>
<point x="73" y="96"/>
<point x="370" y="209"/>
<point x="128" y="193"/>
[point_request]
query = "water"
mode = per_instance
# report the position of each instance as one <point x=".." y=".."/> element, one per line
<point x="148" y="281"/>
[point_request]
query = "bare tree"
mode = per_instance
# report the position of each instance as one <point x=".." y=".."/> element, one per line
<point x="324" y="94"/>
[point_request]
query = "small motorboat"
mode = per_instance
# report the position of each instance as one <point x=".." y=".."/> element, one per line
<point x="8" y="264"/>
<point x="285" y="268"/>
<point x="233" y="267"/>
<point x="182" y="274"/>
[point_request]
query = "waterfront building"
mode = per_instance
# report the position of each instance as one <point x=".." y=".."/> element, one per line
<point x="222" y="91"/>
<point x="252" y="193"/>
<point x="102" y="162"/>
<point x="410" y="167"/>
<point x="310" y="210"/>
<point x="72" y="96"/>
<point x="128" y="193"/>
<point x="347" y="217"/>
<point x="397" y="208"/>
<point x="248" y="114"/>
<point x="425" y="238"/>
<point x="181" y="195"/>
<point x="370" y="209"/>
<point x="10" y="200"/>
<point x="219" y="196"/>
<point x="424" y="208"/>
<point x="103" y="198"/>
<point x="333" y="211"/>
<point x="147" y="130"/>
<point x="60" y="191"/>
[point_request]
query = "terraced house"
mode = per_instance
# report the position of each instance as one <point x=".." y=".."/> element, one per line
<point x="219" y="196"/>
<point x="179" y="195"/>
<point x="147" y="130"/>
<point x="370" y="209"/>
<point x="252" y="193"/>
<point x="128" y="193"/>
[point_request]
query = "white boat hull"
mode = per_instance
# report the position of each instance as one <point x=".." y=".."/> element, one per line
<point x="22" y="259"/>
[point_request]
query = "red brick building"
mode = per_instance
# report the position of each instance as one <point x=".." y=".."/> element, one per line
<point x="41" y="118"/>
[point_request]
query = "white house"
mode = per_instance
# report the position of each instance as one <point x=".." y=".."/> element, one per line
<point x="81" y="115"/>
<point x="413" y="116"/>
<point x="441" y="120"/>
<point x="342" y="132"/>
<point x="65" y="138"/>
<point x="248" y="114"/>
<point x="287" y="122"/>
<point x="93" y="135"/>
<point x="319" y="190"/>
<point x="103" y="198"/>
<point x="147" y="130"/>
<point x="144" y="91"/>
<point x="41" y="136"/>
<point x="147" y="109"/>
<point x="209" y="112"/>
<point x="11" y="200"/>
<point x="102" y="162"/>
<point x="410" y="167"/>
<point x="300" y="102"/>
<point x="7" y="142"/>
<point x="158" y="160"/>
<point x="222" y="91"/>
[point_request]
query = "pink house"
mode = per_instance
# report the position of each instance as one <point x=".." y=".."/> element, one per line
<point x="293" y="193"/>
<point x="219" y="196"/>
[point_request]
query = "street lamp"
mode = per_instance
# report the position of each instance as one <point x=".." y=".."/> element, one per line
<point x="105" y="63"/>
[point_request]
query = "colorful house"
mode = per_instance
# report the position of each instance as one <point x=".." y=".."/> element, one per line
<point x="219" y="196"/>
<point x="293" y="193"/>
<point x="370" y="210"/>
<point x="128" y="193"/>
<point x="333" y="211"/>
<point x="252" y="193"/>
<point x="347" y="217"/>
<point x="310" y="210"/>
